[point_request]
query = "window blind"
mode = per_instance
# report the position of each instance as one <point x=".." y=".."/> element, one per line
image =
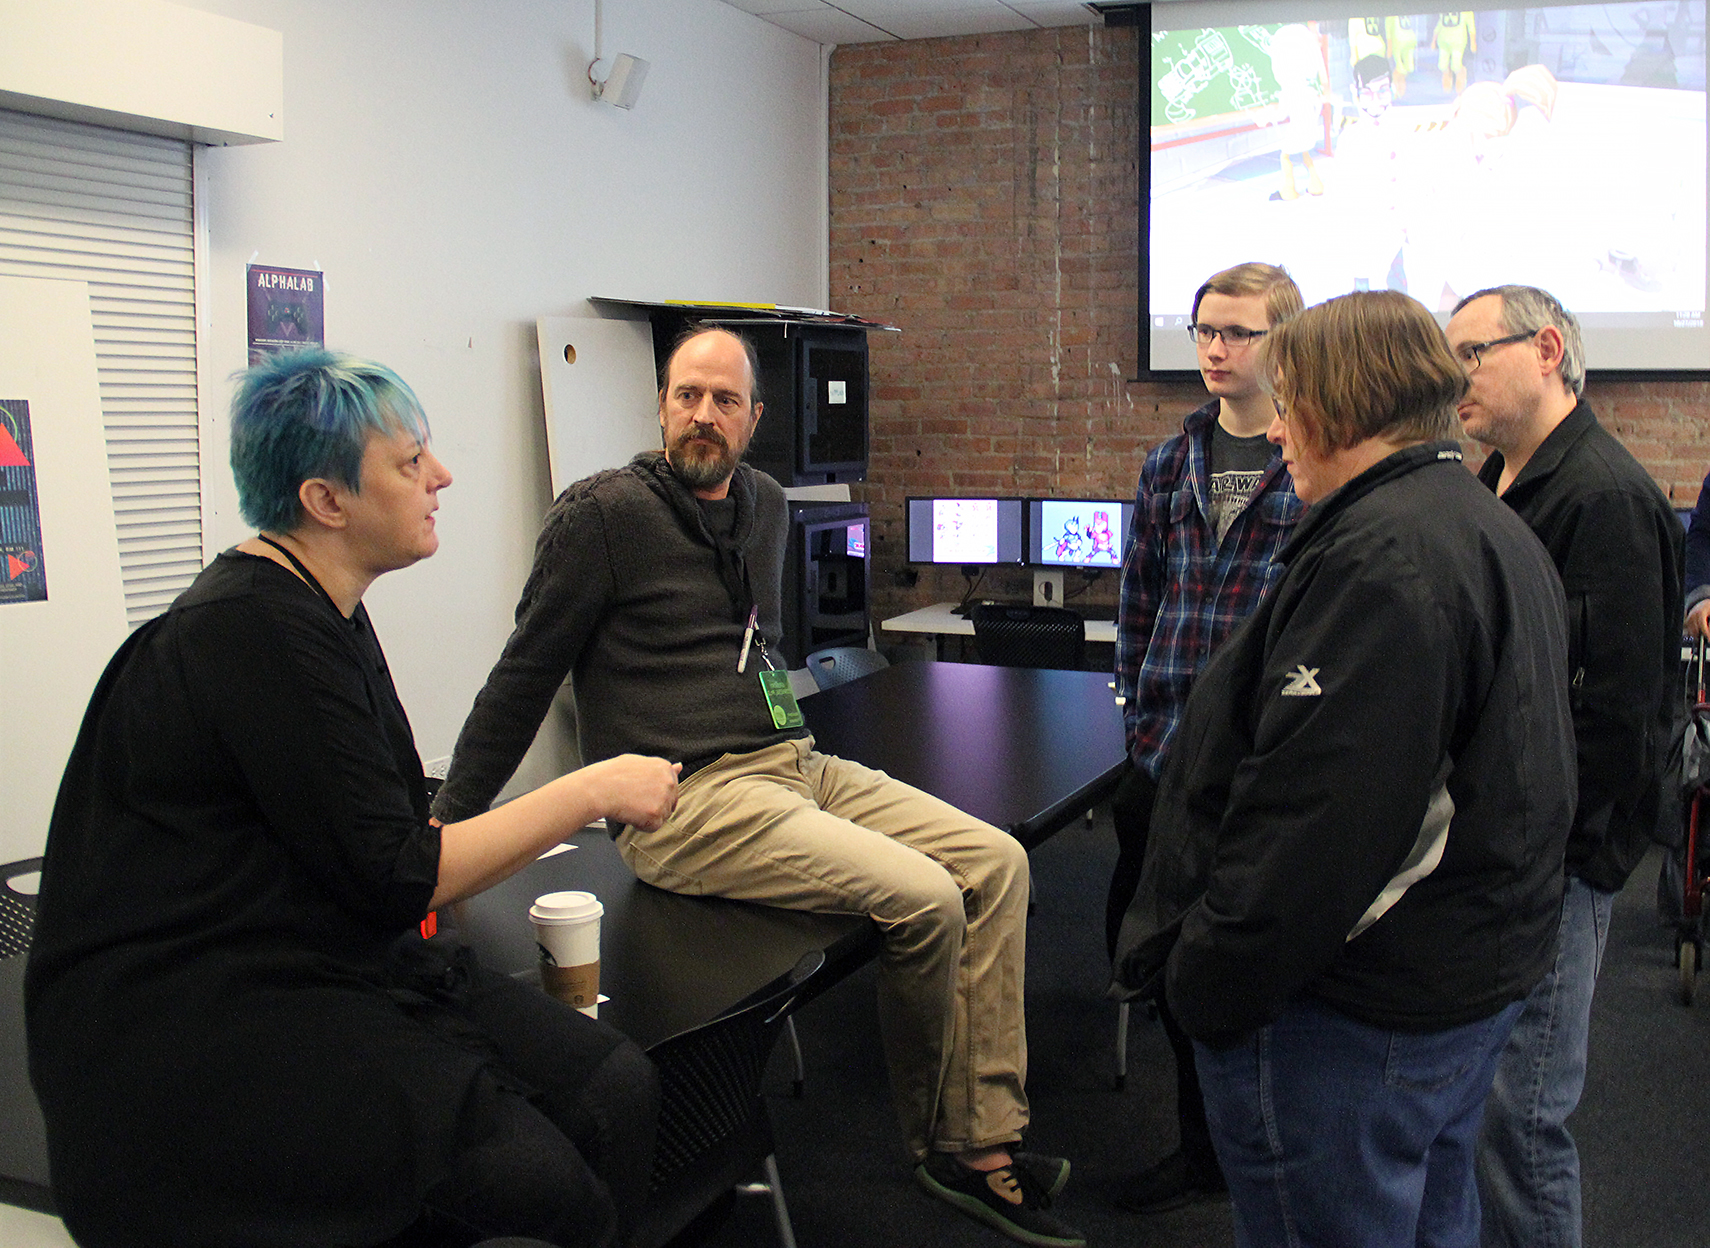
<point x="113" y="209"/>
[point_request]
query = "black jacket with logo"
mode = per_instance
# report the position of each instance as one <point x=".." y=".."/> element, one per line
<point x="1383" y="747"/>
<point x="1620" y="552"/>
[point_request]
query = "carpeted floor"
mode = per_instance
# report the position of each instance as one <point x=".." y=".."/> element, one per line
<point x="1644" y="1125"/>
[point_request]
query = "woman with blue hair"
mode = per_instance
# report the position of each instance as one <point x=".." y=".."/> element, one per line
<point x="237" y="1034"/>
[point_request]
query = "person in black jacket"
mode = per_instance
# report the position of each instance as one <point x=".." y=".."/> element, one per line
<point x="1618" y="546"/>
<point x="1698" y="565"/>
<point x="1355" y="870"/>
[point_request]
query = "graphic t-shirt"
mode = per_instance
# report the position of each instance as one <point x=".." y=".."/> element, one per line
<point x="1235" y="466"/>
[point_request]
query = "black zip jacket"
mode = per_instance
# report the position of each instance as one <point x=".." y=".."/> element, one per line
<point x="1620" y="551"/>
<point x="1383" y="747"/>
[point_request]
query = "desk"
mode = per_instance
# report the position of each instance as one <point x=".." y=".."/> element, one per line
<point x="667" y="962"/>
<point x="941" y="620"/>
<point x="1026" y="749"/>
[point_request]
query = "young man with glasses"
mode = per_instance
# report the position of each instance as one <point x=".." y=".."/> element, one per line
<point x="1213" y="508"/>
<point x="1618" y="548"/>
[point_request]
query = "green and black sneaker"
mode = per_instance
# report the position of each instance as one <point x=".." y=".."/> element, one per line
<point x="1051" y="1173"/>
<point x="1010" y="1199"/>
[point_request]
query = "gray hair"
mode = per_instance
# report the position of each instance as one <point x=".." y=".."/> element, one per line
<point x="1526" y="310"/>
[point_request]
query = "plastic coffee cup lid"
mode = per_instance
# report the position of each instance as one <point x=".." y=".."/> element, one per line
<point x="565" y="908"/>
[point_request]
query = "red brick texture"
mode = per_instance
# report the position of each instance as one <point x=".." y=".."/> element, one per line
<point x="983" y="199"/>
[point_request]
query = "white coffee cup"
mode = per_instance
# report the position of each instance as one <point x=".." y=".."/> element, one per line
<point x="567" y="933"/>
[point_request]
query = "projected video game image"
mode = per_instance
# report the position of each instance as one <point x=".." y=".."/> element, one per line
<point x="1437" y="153"/>
<point x="1077" y="533"/>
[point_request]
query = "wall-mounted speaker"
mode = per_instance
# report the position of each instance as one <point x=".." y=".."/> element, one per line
<point x="623" y="85"/>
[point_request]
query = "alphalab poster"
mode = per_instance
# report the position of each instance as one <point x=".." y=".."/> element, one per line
<point x="23" y="576"/>
<point x="287" y="310"/>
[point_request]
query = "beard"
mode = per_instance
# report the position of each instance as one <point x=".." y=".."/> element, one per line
<point x="703" y="458"/>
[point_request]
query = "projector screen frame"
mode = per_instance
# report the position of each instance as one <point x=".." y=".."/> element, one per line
<point x="1148" y="16"/>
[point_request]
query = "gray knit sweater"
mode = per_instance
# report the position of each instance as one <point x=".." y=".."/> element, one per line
<point x="627" y="596"/>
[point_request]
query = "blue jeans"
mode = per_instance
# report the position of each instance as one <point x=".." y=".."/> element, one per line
<point x="1528" y="1167"/>
<point x="1334" y="1133"/>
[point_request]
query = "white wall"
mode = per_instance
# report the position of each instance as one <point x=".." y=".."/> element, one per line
<point x="444" y="165"/>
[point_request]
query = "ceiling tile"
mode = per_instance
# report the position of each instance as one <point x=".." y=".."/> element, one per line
<point x="1056" y="12"/>
<point x="768" y="8"/>
<point x="868" y="21"/>
<point x="828" y="25"/>
<point x="963" y="21"/>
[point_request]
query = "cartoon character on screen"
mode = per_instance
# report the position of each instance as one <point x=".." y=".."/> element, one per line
<point x="1453" y="38"/>
<point x="1071" y="543"/>
<point x="1365" y="38"/>
<point x="1102" y="539"/>
<point x="1370" y="166"/>
<point x="1297" y="63"/>
<point x="1400" y="43"/>
<point x="1487" y="111"/>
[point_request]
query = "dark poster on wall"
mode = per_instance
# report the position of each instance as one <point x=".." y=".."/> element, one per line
<point x="286" y="311"/>
<point x="23" y="577"/>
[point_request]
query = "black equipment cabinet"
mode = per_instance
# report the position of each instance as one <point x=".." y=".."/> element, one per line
<point x="825" y="578"/>
<point x="813" y="382"/>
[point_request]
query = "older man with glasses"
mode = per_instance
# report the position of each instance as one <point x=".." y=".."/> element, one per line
<point x="1618" y="548"/>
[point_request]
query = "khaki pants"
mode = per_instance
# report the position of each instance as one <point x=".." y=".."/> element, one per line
<point x="789" y="826"/>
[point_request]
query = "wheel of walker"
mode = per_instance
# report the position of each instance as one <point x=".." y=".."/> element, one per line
<point x="1687" y="958"/>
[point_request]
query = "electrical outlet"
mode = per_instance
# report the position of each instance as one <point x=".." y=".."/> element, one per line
<point x="436" y="768"/>
<point x="1047" y="588"/>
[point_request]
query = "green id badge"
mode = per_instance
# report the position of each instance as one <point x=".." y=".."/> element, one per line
<point x="785" y="713"/>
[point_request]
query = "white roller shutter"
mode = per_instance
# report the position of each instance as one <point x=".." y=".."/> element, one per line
<point x="114" y="209"/>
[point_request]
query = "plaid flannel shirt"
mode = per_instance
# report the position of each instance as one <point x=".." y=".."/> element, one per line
<point x="1182" y="591"/>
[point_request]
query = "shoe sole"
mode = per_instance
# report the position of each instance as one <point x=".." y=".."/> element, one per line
<point x="982" y="1212"/>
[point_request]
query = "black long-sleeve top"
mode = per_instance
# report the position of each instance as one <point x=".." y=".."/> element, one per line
<point x="240" y="837"/>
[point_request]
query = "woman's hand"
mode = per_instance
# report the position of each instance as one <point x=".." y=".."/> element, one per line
<point x="633" y="789"/>
<point x="477" y="853"/>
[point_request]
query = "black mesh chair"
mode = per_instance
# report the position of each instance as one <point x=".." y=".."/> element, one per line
<point x="838" y="665"/>
<point x="1030" y="636"/>
<point x="714" y="1130"/>
<point x="17" y="908"/>
<point x="23" y="1142"/>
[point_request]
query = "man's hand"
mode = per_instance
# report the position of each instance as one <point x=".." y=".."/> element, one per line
<point x="1698" y="620"/>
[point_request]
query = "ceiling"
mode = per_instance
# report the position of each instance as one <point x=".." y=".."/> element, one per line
<point x="872" y="21"/>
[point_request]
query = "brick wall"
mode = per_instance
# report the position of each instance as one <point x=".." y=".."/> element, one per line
<point x="983" y="199"/>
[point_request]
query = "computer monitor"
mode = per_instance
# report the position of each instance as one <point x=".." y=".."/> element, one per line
<point x="967" y="531"/>
<point x="1077" y="532"/>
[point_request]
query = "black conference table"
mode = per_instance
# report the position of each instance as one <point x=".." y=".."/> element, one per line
<point x="667" y="962"/>
<point x="1024" y="749"/>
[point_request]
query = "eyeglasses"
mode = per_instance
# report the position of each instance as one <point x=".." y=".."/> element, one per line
<point x="1234" y="336"/>
<point x="1471" y="354"/>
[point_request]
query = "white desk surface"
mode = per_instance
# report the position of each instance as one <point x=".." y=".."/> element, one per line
<point x="941" y="618"/>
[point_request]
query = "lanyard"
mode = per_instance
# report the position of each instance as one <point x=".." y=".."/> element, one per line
<point x="303" y="572"/>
